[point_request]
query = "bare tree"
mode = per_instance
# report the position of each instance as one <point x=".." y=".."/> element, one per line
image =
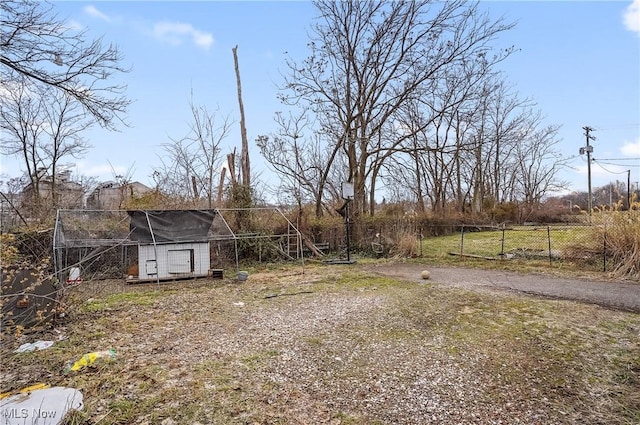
<point x="192" y="163"/>
<point x="539" y="164"/>
<point x="368" y="59"/>
<point x="43" y="127"/>
<point x="296" y="155"/>
<point x="37" y="45"/>
<point x="437" y="123"/>
<point x="21" y="123"/>
<point x="487" y="149"/>
<point x="65" y="124"/>
<point x="505" y="120"/>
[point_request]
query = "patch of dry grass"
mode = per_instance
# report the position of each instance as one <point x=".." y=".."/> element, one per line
<point x="405" y="245"/>
<point x="338" y="345"/>
<point x="621" y="231"/>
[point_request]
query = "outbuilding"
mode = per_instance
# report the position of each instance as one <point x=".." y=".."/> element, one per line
<point x="160" y="245"/>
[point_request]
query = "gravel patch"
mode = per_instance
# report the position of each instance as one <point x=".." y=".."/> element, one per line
<point x="342" y="346"/>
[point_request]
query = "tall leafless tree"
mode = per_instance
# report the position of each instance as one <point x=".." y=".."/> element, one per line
<point x="37" y="45"/>
<point x="487" y="149"/>
<point x="539" y="163"/>
<point x="66" y="123"/>
<point x="191" y="165"/>
<point x="368" y="59"/>
<point x="295" y="153"/>
<point x="22" y="127"/>
<point x="43" y="127"/>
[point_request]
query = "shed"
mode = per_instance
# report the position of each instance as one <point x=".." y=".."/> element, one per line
<point x="172" y="244"/>
<point x="155" y="245"/>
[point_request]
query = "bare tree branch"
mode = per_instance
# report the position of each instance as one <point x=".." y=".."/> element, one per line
<point x="37" y="45"/>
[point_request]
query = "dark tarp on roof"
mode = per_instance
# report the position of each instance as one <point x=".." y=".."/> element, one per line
<point x="171" y="226"/>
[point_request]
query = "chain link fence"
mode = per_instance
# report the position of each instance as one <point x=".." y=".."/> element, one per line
<point x="602" y="246"/>
<point x="574" y="244"/>
<point x="579" y="245"/>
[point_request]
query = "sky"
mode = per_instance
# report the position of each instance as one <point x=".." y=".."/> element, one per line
<point x="578" y="60"/>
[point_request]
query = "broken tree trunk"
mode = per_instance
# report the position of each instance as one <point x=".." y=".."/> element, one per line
<point x="194" y="186"/>
<point x="244" y="154"/>
<point x="231" y="162"/>
<point x="221" y="187"/>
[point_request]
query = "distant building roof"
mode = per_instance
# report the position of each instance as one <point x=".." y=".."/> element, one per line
<point x="111" y="195"/>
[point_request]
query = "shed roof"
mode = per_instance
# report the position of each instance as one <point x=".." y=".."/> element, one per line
<point x="170" y="225"/>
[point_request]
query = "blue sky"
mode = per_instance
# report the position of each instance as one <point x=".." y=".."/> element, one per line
<point x="580" y="61"/>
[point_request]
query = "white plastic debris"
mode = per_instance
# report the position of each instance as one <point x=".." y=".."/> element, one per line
<point x="33" y="346"/>
<point x="74" y="275"/>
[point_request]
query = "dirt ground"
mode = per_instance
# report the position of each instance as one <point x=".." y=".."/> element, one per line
<point x="622" y="295"/>
<point x="345" y="345"/>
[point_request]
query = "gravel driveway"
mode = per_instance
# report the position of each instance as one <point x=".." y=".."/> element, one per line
<point x="623" y="295"/>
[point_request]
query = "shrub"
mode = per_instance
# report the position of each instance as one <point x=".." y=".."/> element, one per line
<point x="504" y="212"/>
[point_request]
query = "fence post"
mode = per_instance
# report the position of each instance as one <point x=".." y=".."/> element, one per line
<point x="549" y="241"/>
<point x="462" y="241"/>
<point x="502" y="244"/>
<point x="604" y="250"/>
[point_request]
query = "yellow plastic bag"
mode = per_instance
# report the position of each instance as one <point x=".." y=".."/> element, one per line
<point x="89" y="359"/>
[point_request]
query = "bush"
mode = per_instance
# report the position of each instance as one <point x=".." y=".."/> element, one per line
<point x="504" y="212"/>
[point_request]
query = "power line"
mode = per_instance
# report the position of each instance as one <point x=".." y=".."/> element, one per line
<point x="615" y="127"/>
<point x="617" y="165"/>
<point x="617" y="159"/>
<point x="609" y="171"/>
<point x="628" y="173"/>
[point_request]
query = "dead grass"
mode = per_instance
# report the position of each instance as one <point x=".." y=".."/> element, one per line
<point x="337" y="345"/>
<point x="405" y="245"/>
<point x="622" y="233"/>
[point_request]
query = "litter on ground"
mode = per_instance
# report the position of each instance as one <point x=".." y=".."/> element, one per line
<point x="33" y="346"/>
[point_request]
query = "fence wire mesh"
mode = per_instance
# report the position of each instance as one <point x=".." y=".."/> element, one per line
<point x="581" y="245"/>
<point x="534" y="243"/>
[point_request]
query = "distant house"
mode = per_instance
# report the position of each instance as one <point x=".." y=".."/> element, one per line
<point x="68" y="194"/>
<point x="113" y="196"/>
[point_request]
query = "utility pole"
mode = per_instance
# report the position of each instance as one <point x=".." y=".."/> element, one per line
<point x="588" y="149"/>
